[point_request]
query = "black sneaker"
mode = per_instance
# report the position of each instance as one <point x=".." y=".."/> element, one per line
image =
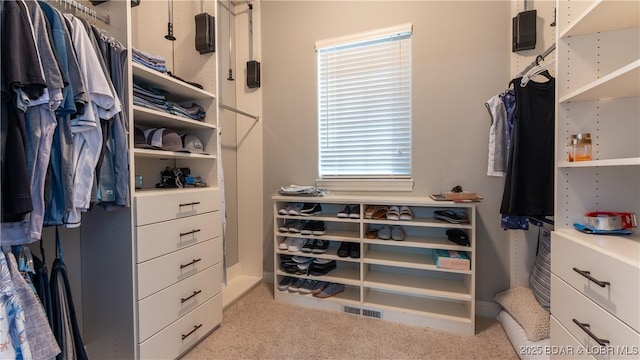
<point x="311" y="209"/>
<point x="354" y="250"/>
<point x="318" y="228"/>
<point x="308" y="246"/>
<point x="320" y="247"/>
<point x="307" y="229"/>
<point x="343" y="250"/>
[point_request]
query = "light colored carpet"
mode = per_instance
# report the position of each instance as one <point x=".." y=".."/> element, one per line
<point x="257" y="327"/>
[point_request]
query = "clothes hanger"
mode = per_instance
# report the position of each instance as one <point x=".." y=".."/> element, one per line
<point x="538" y="70"/>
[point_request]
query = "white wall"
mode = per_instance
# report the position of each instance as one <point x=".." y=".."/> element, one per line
<point x="460" y="60"/>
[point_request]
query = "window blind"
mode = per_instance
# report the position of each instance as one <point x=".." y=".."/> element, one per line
<point x="364" y="106"/>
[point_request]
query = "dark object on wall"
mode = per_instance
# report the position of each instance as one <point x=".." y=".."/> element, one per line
<point x="253" y="74"/>
<point x="205" y="33"/>
<point x="524" y="31"/>
<point x="169" y="35"/>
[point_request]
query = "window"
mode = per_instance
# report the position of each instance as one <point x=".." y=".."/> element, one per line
<point x="364" y="105"/>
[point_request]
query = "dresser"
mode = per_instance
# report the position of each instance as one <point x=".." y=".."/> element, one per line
<point x="595" y="296"/>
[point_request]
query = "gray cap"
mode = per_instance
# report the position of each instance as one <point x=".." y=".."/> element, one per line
<point x="193" y="144"/>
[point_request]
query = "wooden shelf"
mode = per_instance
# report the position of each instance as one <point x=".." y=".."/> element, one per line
<point x="595" y="163"/>
<point x="418" y="285"/>
<point x="161" y="154"/>
<point x="350" y="296"/>
<point x="624" y="247"/>
<point x="421" y="242"/>
<point x="342" y="275"/>
<point x="178" y="90"/>
<point x="421" y="221"/>
<point x="605" y="15"/>
<point x="433" y="307"/>
<point x="153" y="118"/>
<point x="405" y="260"/>
<point x="331" y="235"/>
<point x="620" y="83"/>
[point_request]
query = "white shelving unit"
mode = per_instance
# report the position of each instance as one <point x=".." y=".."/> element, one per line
<point x="152" y="274"/>
<point x="391" y="280"/>
<point x="598" y="92"/>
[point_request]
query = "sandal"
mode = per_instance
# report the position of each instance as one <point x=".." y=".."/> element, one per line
<point x="368" y="212"/>
<point x="450" y="216"/>
<point x="406" y="213"/>
<point x="393" y="213"/>
<point x="380" y="213"/>
<point x="372" y="233"/>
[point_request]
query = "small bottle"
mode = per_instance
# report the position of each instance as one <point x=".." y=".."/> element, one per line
<point x="571" y="148"/>
<point x="582" y="148"/>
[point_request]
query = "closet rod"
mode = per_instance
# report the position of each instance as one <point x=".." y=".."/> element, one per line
<point x="256" y="117"/>
<point x="537" y="60"/>
<point x="82" y="8"/>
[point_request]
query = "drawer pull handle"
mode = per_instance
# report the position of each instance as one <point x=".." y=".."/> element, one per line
<point x="585" y="328"/>
<point x="190" y="204"/>
<point x="189" y="264"/>
<point x="183" y="300"/>
<point x="195" y="327"/>
<point x="189" y="232"/>
<point x="587" y="274"/>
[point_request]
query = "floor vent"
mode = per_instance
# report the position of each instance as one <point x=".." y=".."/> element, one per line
<point x="372" y="313"/>
<point x="351" y="310"/>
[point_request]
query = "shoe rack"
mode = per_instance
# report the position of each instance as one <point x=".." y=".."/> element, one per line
<point x="392" y="280"/>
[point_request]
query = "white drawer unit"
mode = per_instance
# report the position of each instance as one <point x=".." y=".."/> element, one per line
<point x="185" y="333"/>
<point x="595" y="282"/>
<point x="156" y="206"/>
<point x="394" y="280"/>
<point x="158" y="239"/>
<point x="166" y="270"/>
<point x="166" y="306"/>
<point x="563" y="344"/>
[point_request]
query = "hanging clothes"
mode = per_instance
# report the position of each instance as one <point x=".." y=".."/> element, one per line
<point x="65" y="322"/>
<point x="13" y="340"/>
<point x="37" y="328"/>
<point x="529" y="182"/>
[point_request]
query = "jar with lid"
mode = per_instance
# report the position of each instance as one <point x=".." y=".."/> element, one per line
<point x="579" y="147"/>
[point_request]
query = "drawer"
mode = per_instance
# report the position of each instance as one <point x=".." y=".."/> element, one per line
<point x="156" y="207"/>
<point x="166" y="270"/>
<point x="185" y="333"/>
<point x="157" y="239"/>
<point x="563" y="344"/>
<point x="621" y="297"/>
<point x="568" y="304"/>
<point x="166" y="306"/>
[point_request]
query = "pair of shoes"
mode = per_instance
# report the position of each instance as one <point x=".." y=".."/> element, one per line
<point x="309" y="209"/>
<point x="322" y="269"/>
<point x="315" y="246"/>
<point x="314" y="228"/>
<point x="458" y="236"/>
<point x="330" y="290"/>
<point x="348" y="249"/>
<point x="388" y="232"/>
<point x="400" y="213"/>
<point x="291" y="209"/>
<point x="451" y="216"/>
<point x="350" y="212"/>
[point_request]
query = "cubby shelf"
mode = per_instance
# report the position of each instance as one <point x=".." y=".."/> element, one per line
<point x="392" y="280"/>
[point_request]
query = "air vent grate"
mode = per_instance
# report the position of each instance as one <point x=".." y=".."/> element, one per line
<point x="351" y="310"/>
<point x="372" y="313"/>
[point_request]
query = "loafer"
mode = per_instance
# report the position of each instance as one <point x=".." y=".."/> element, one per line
<point x="397" y="233"/>
<point x="343" y="250"/>
<point x="330" y="290"/>
<point x="354" y="251"/>
<point x="385" y="232"/>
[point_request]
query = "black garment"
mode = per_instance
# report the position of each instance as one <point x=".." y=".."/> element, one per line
<point x="528" y="188"/>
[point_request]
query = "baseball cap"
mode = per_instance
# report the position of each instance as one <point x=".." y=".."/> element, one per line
<point x="193" y="144"/>
<point x="164" y="139"/>
<point x="139" y="140"/>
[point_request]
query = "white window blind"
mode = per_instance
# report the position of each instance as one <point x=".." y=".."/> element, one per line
<point x="364" y="105"/>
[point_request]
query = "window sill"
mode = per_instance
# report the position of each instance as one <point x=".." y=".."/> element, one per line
<point x="366" y="184"/>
